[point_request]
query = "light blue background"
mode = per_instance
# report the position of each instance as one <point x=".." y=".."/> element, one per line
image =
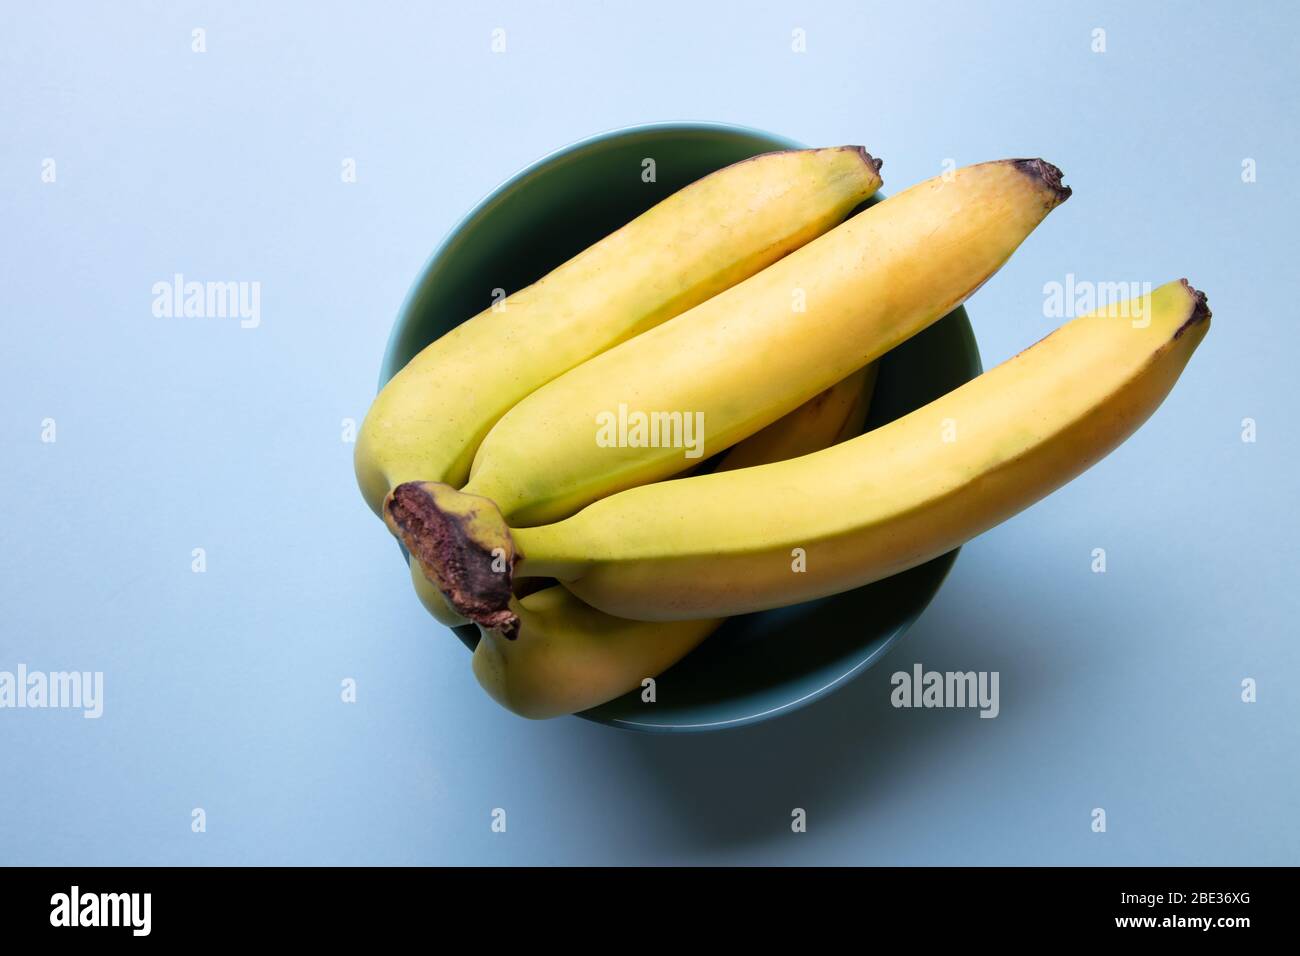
<point x="1119" y="690"/>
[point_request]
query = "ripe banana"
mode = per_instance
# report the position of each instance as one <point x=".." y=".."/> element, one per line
<point x="428" y="421"/>
<point x="565" y="656"/>
<point x="878" y="504"/>
<point x="749" y="355"/>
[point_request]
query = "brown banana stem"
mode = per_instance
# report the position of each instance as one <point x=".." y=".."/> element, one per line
<point x="463" y="546"/>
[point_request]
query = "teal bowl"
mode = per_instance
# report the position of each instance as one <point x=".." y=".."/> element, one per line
<point x="757" y="666"/>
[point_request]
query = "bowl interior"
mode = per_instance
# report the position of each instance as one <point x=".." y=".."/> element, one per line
<point x="759" y="665"/>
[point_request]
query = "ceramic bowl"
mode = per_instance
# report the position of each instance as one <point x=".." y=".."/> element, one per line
<point x="758" y="666"/>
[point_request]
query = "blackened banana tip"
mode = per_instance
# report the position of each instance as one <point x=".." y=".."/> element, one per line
<point x="1200" y="309"/>
<point x="458" y="565"/>
<point x="869" y="159"/>
<point x="1047" y="174"/>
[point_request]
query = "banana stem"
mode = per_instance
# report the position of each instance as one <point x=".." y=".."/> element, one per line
<point x="1049" y="175"/>
<point x="463" y="546"/>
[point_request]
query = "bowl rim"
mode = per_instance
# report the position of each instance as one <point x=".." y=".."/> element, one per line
<point x="389" y="368"/>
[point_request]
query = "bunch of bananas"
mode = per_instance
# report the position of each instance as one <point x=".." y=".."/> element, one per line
<point x="727" y="339"/>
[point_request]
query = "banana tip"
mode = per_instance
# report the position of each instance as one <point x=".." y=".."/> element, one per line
<point x="1047" y="174"/>
<point x="1200" y="309"/>
<point x="870" y="160"/>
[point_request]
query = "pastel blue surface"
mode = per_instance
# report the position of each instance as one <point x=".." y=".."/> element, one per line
<point x="1119" y="690"/>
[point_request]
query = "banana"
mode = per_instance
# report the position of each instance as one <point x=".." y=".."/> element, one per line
<point x="749" y="355"/>
<point x="564" y="656"/>
<point x="881" y="503"/>
<point x="427" y="422"/>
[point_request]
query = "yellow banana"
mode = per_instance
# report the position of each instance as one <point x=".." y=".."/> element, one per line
<point x="881" y="503"/>
<point x="889" y="500"/>
<point x="732" y="365"/>
<point x="564" y="656"/>
<point x="428" y="421"/>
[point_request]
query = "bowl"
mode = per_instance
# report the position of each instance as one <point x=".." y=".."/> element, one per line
<point x="757" y="666"/>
